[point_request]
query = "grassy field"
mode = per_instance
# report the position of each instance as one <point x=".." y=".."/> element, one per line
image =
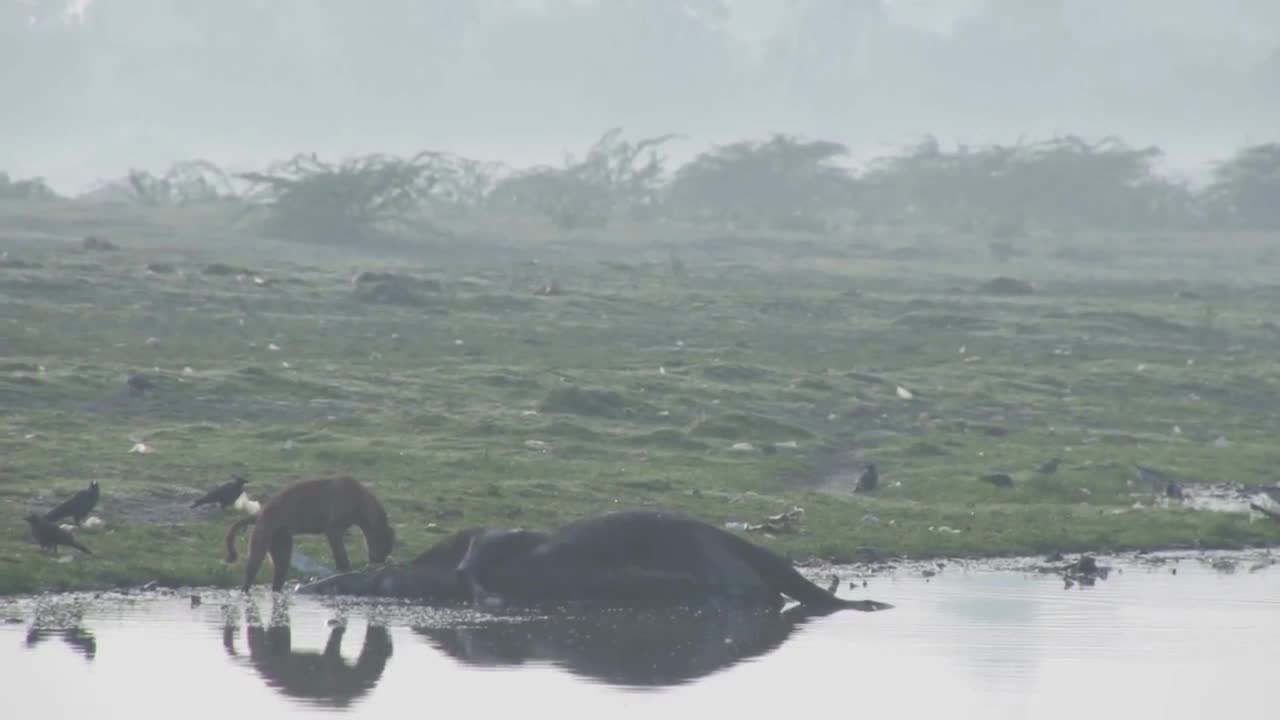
<point x="528" y="377"/>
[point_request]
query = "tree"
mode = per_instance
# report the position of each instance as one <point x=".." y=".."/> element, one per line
<point x="1246" y="189"/>
<point x="359" y="200"/>
<point x="1064" y="181"/>
<point x="778" y="181"/>
<point x="617" y="177"/>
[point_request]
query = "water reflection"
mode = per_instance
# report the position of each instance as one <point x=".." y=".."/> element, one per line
<point x="63" y="620"/>
<point x="969" y="643"/>
<point x="78" y="638"/>
<point x="321" y="677"/>
<point x="653" y="649"/>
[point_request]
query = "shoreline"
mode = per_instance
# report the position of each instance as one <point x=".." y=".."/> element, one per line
<point x="814" y="568"/>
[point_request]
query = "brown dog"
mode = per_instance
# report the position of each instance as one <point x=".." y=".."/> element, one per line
<point x="327" y="506"/>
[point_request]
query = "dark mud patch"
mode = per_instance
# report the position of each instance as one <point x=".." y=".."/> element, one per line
<point x="151" y="506"/>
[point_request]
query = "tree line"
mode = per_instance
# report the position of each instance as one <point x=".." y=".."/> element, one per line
<point x="779" y="182"/>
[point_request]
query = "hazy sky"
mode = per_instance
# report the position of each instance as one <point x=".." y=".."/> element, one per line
<point x="146" y="82"/>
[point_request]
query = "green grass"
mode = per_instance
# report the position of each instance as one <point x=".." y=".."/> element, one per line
<point x="476" y="399"/>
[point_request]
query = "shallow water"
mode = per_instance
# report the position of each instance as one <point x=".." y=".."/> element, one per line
<point x="989" y="643"/>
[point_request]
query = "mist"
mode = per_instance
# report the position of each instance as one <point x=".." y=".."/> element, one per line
<point x="939" y="308"/>
<point x="114" y="84"/>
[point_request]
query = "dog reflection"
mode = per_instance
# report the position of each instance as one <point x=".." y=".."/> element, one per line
<point x="78" y="638"/>
<point x="323" y="677"/>
<point x="627" y="649"/>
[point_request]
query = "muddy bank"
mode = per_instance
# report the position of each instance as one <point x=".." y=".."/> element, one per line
<point x="1075" y="569"/>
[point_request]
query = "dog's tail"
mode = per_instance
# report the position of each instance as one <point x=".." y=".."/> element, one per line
<point x="231" y="535"/>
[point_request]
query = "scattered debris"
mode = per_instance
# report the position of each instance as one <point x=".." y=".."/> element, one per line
<point x="1224" y="565"/>
<point x="1263" y="564"/>
<point x="247" y="505"/>
<point x="549" y="289"/>
<point x="1265" y="512"/>
<point x="786" y="522"/>
<point x="1085" y="571"/>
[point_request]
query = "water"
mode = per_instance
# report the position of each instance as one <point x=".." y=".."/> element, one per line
<point x="988" y="643"/>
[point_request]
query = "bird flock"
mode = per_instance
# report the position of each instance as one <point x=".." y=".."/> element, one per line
<point x="50" y="535"/>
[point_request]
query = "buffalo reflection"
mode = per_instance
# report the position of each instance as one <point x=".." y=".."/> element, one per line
<point x="323" y="677"/>
<point x="78" y="638"/>
<point x="647" y="649"/>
